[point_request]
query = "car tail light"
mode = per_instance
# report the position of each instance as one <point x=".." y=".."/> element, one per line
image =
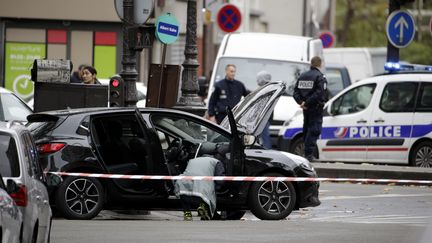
<point x="20" y="197"/>
<point x="47" y="148"/>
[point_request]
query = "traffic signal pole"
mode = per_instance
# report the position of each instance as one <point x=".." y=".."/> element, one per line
<point x="392" y="51"/>
<point x="129" y="72"/>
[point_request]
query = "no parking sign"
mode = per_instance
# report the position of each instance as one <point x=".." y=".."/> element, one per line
<point x="229" y="18"/>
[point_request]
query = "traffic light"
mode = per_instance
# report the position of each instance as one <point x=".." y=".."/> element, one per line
<point x="116" y="92"/>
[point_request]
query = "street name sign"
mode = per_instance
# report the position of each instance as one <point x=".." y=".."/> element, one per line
<point x="167" y="29"/>
<point x="400" y="28"/>
<point x="229" y="18"/>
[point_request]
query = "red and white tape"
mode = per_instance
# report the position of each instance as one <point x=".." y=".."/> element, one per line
<point x="239" y="178"/>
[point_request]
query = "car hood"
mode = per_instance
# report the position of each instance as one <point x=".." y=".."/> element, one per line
<point x="253" y="112"/>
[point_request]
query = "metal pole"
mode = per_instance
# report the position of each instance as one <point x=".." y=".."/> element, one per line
<point x="392" y="52"/>
<point x="164" y="46"/>
<point x="189" y="100"/>
<point x="128" y="72"/>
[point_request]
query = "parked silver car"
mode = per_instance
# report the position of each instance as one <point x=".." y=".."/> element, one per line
<point x="19" y="162"/>
<point x="11" y="223"/>
<point x="12" y="107"/>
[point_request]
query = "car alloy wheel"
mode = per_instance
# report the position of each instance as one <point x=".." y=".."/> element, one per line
<point x="272" y="200"/>
<point x="80" y="198"/>
<point x="422" y="156"/>
<point x="298" y="147"/>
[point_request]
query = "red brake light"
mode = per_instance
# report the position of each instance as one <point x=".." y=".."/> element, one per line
<point x="115" y="83"/>
<point x="20" y="197"/>
<point x="47" y="148"/>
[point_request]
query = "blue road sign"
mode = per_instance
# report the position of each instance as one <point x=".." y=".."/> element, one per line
<point x="167" y="29"/>
<point x="400" y="28"/>
<point x="327" y="38"/>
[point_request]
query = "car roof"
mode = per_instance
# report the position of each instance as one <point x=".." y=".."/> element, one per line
<point x="47" y="115"/>
<point x="11" y="126"/>
<point x="3" y="90"/>
<point x="395" y="76"/>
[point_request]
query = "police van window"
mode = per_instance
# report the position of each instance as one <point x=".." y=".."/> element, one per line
<point x="398" y="97"/>
<point x="355" y="100"/>
<point x="425" y="98"/>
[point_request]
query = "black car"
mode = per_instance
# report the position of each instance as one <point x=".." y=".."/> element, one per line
<point x="154" y="141"/>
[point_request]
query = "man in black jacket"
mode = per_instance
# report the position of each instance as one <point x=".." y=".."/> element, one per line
<point x="227" y="93"/>
<point x="310" y="92"/>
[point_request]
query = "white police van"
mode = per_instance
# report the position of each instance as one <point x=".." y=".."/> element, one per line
<point x="285" y="57"/>
<point x="382" y="119"/>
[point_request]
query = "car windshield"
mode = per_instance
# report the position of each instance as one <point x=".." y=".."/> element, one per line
<point x="12" y="108"/>
<point x="9" y="166"/>
<point x="247" y="69"/>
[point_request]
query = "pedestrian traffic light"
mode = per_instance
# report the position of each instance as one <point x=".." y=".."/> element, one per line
<point x="116" y="92"/>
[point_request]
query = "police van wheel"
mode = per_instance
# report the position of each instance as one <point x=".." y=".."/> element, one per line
<point x="297" y="147"/>
<point x="272" y="200"/>
<point x="421" y="155"/>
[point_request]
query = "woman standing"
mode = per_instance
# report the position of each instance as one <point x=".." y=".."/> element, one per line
<point x="89" y="75"/>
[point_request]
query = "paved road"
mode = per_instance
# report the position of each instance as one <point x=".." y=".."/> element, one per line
<point x="349" y="213"/>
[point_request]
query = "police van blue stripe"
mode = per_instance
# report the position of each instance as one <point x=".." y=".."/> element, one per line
<point x="395" y="131"/>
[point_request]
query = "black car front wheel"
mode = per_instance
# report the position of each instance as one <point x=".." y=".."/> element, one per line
<point x="272" y="200"/>
<point x="80" y="198"/>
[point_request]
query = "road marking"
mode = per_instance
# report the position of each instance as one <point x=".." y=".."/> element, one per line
<point x="377" y="219"/>
<point x="374" y="196"/>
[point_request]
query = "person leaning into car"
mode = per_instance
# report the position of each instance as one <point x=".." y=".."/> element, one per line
<point x="227" y="93"/>
<point x="310" y="93"/>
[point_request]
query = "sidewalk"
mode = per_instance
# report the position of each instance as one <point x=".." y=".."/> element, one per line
<point x="341" y="170"/>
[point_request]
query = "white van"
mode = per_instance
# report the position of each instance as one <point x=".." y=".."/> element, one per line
<point x="361" y="62"/>
<point x="285" y="57"/>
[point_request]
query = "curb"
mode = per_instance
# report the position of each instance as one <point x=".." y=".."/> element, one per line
<point x="340" y="170"/>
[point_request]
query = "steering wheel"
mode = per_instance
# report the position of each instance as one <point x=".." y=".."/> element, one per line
<point x="174" y="150"/>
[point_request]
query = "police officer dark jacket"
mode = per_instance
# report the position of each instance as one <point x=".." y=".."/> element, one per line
<point x="227" y="93"/>
<point x="311" y="87"/>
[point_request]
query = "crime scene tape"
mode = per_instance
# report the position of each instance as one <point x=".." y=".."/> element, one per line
<point x="238" y="178"/>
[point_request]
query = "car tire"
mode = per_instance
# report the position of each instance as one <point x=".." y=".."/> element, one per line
<point x="297" y="147"/>
<point x="272" y="200"/>
<point x="35" y="233"/>
<point x="80" y="198"/>
<point x="421" y="155"/>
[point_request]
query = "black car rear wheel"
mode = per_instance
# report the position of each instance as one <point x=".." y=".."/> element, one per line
<point x="272" y="200"/>
<point x="80" y="198"/>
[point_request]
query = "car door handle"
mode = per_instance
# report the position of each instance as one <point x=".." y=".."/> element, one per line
<point x="379" y="120"/>
<point x="38" y="198"/>
<point x="361" y="121"/>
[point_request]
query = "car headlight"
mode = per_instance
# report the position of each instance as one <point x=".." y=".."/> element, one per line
<point x="307" y="167"/>
<point x="287" y="122"/>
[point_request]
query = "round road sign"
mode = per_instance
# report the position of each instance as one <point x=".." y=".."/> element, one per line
<point x="229" y="18"/>
<point x="142" y="10"/>
<point x="327" y="38"/>
<point x="167" y="29"/>
<point x="400" y="28"/>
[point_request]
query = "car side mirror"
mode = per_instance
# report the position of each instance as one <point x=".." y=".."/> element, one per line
<point x="249" y="140"/>
<point x="53" y="180"/>
<point x="331" y="110"/>
<point x="11" y="186"/>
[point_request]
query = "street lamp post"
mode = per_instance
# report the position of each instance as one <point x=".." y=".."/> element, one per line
<point x="189" y="100"/>
<point x="129" y="72"/>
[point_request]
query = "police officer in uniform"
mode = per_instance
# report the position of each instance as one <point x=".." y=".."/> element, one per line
<point x="227" y="93"/>
<point x="310" y="92"/>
